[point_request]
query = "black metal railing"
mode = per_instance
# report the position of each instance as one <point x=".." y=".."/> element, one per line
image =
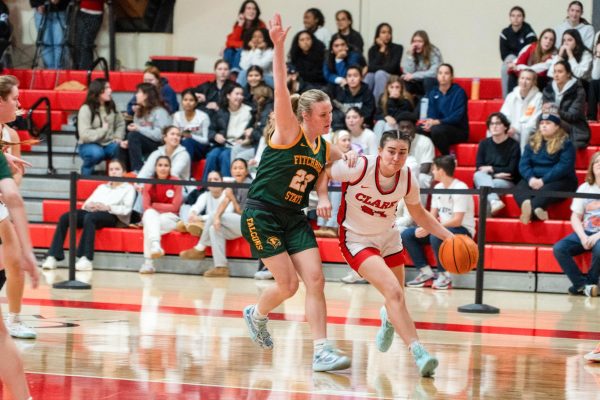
<point x="99" y="60"/>
<point x="44" y="130"/>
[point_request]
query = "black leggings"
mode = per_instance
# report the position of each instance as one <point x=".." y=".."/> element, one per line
<point x="443" y="136"/>
<point x="563" y="185"/>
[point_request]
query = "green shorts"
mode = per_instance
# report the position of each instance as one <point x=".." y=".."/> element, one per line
<point x="270" y="233"/>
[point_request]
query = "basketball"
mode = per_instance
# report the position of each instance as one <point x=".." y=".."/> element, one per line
<point x="458" y="254"/>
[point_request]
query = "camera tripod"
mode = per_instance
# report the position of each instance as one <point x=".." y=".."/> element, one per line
<point x="66" y="44"/>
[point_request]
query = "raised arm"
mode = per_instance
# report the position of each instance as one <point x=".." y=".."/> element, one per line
<point x="286" y="124"/>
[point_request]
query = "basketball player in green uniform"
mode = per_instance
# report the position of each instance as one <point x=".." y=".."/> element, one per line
<point x="273" y="222"/>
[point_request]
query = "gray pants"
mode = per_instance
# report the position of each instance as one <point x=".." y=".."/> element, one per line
<point x="376" y="81"/>
<point x="216" y="238"/>
<point x="245" y="152"/>
<point x="504" y="74"/>
<point x="485" y="179"/>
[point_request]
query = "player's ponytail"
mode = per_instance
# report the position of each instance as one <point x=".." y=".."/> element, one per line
<point x="295" y="99"/>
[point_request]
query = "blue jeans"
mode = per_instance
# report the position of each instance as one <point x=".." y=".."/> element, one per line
<point x="53" y="37"/>
<point x="218" y="159"/>
<point x="93" y="154"/>
<point x="414" y="245"/>
<point x="566" y="249"/>
<point x="195" y="149"/>
<point x="233" y="57"/>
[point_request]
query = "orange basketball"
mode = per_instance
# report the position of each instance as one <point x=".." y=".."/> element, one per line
<point x="459" y="254"/>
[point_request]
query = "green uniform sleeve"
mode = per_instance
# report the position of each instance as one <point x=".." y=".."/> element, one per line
<point x="4" y="168"/>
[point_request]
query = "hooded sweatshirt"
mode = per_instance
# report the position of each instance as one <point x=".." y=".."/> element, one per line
<point x="522" y="112"/>
<point x="180" y="163"/>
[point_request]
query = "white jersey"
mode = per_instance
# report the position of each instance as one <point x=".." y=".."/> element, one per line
<point x="369" y="199"/>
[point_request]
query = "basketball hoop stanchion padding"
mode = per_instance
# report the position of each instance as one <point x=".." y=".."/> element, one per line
<point x="72" y="283"/>
<point x="479" y="307"/>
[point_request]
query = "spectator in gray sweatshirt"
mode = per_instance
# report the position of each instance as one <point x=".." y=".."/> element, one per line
<point x="144" y="134"/>
<point x="101" y="128"/>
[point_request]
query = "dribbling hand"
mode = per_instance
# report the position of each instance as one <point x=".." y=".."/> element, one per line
<point x="276" y="31"/>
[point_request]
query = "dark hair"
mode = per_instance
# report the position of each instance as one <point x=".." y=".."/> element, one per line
<point x="227" y="90"/>
<point x="156" y="163"/>
<point x="153" y="99"/>
<point x="242" y="161"/>
<point x="579" y="45"/>
<point x="566" y="65"/>
<point x="348" y="15"/>
<point x="378" y="31"/>
<point x="220" y="61"/>
<point x="517" y="8"/>
<point x="265" y="34"/>
<point x="356" y="110"/>
<point x="330" y="55"/>
<point x="450" y="67"/>
<point x="501" y="117"/>
<point x="191" y="92"/>
<point x="446" y="163"/>
<point x="118" y="161"/>
<point x="255" y="68"/>
<point x="356" y="67"/>
<point x="394" y="135"/>
<point x="538" y="54"/>
<point x="318" y="15"/>
<point x="167" y="128"/>
<point x="92" y="99"/>
<point x="316" y="51"/>
<point x="243" y="8"/>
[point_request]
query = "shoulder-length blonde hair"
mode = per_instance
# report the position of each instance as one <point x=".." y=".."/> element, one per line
<point x="553" y="145"/>
<point x="590" y="178"/>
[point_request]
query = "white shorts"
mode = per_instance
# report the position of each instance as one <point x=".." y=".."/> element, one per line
<point x="357" y="248"/>
<point x="3" y="211"/>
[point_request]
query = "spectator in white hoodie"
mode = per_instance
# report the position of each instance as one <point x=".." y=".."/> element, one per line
<point x="522" y="107"/>
<point x="172" y="148"/>
<point x="575" y="21"/>
<point x="258" y="50"/>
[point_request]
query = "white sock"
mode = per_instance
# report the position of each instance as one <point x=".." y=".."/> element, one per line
<point x="413" y="343"/>
<point x="12" y="317"/>
<point x="256" y="314"/>
<point x="426" y="270"/>
<point x="319" y="344"/>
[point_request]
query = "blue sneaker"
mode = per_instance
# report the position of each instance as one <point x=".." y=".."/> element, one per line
<point x="425" y="362"/>
<point x="330" y="359"/>
<point x="385" y="335"/>
<point x="258" y="329"/>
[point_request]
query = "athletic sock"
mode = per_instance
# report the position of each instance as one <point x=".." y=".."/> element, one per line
<point x="319" y="344"/>
<point x="257" y="315"/>
<point x="413" y="343"/>
<point x="426" y="270"/>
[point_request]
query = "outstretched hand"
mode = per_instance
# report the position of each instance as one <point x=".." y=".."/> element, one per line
<point x="276" y="31"/>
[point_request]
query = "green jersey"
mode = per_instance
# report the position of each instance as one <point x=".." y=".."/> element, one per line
<point x="287" y="173"/>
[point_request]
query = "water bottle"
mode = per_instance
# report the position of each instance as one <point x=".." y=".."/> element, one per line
<point x="423" y="109"/>
<point x="475" y="89"/>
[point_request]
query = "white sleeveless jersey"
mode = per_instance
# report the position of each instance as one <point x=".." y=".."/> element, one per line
<point x="367" y="208"/>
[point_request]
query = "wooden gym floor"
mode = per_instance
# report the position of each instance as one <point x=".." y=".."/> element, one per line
<point x="182" y="337"/>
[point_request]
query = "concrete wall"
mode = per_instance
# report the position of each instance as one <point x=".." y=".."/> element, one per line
<point x="465" y="30"/>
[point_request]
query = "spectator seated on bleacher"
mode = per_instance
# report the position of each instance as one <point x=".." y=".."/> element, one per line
<point x="224" y="224"/>
<point x="161" y="212"/>
<point x="585" y="220"/>
<point x="339" y="58"/>
<point x="295" y="83"/>
<point x="233" y="121"/>
<point x="574" y="52"/>
<point x="523" y="107"/>
<point x="205" y="205"/>
<point x="361" y="136"/>
<point x="538" y="57"/>
<point x="210" y="94"/>
<point x="384" y="60"/>
<point x="447" y="121"/>
<point x="100" y="127"/>
<point x="547" y="164"/>
<point x="180" y="163"/>
<point x="108" y="206"/>
<point x="258" y="50"/>
<point x="497" y="164"/>
<point x="567" y="91"/>
<point x="254" y="80"/>
<point x="343" y="21"/>
<point x="248" y="19"/>
<point x="455" y="212"/>
<point x="419" y="67"/>
<point x="394" y="101"/>
<point x="512" y="40"/>
<point x="421" y="148"/>
<point x="354" y="94"/>
<point x="314" y="22"/>
<point x="575" y="20"/>
<point x="307" y="55"/>
<point x="194" y="124"/>
<point x="166" y="92"/>
<point x="267" y="131"/>
<point x="594" y="89"/>
<point x="144" y="134"/>
<point x="262" y="108"/>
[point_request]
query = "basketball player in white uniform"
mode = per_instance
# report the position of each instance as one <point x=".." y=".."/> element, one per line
<point x="370" y="242"/>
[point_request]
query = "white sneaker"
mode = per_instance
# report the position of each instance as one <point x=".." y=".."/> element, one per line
<point x="590" y="290"/>
<point x="353" y="277"/>
<point x="147" y="268"/>
<point x="49" y="263"/>
<point x="156" y="251"/>
<point x="18" y="329"/>
<point x="443" y="281"/>
<point x="83" y="264"/>
<point x="496" y="205"/>
<point x="593" y="355"/>
<point x="263" y="275"/>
